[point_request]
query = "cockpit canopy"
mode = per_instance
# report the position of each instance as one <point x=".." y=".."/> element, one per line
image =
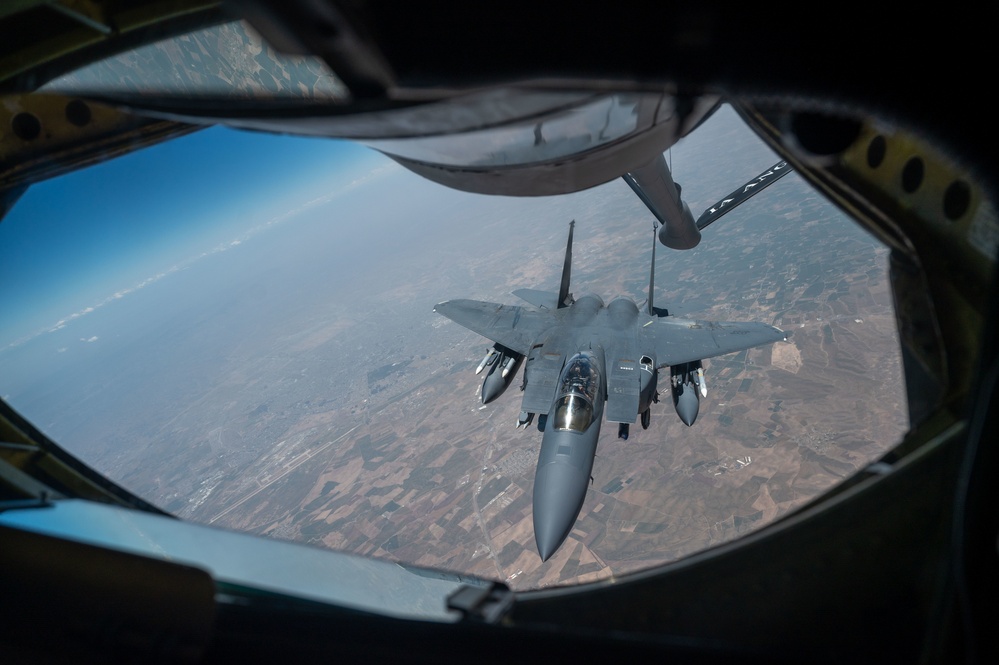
<point x="577" y="393"/>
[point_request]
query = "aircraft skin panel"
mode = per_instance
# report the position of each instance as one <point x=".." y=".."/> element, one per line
<point x="680" y="341"/>
<point x="512" y="326"/>
<point x="542" y="373"/>
<point x="623" y="391"/>
<point x="624" y="386"/>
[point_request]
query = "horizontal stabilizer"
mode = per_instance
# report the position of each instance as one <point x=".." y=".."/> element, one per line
<point x="744" y="193"/>
<point x="543" y="299"/>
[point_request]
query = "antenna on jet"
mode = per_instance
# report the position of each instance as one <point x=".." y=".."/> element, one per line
<point x="564" y="297"/>
<point x="650" y="304"/>
<point x="652" y="270"/>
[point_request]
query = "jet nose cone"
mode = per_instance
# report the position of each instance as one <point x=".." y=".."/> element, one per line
<point x="559" y="490"/>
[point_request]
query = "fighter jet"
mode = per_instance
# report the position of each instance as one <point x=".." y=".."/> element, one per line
<point x="587" y="361"/>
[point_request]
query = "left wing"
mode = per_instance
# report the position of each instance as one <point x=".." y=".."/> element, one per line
<point x="513" y="326"/>
<point x="680" y="341"/>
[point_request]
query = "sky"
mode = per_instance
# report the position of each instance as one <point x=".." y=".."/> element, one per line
<point x="81" y="241"/>
<point x="73" y="242"/>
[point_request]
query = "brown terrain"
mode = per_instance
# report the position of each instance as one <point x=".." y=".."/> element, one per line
<point x="407" y="465"/>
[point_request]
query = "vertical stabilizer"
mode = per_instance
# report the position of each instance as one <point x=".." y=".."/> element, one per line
<point x="564" y="297"/>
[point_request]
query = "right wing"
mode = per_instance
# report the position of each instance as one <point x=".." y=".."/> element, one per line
<point x="513" y="326"/>
<point x="680" y="341"/>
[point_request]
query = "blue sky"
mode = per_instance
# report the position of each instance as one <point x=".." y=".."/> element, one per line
<point x="73" y="241"/>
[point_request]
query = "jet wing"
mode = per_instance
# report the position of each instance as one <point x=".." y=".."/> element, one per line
<point x="679" y="340"/>
<point x="512" y="326"/>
